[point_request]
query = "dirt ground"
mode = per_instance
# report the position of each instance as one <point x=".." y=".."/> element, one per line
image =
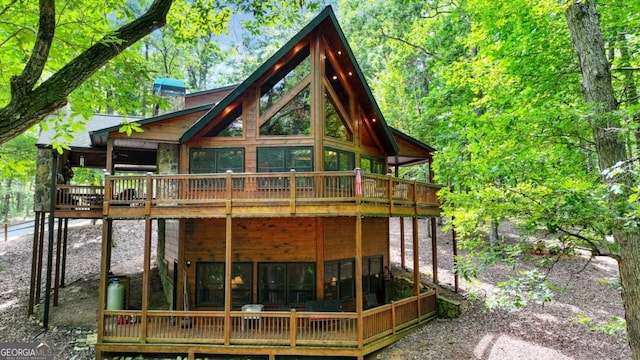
<point x="550" y="331"/>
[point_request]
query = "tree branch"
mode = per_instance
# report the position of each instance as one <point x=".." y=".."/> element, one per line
<point x="28" y="106"/>
<point x="23" y="83"/>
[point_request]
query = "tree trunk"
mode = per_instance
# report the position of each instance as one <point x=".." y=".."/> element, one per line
<point x="584" y="26"/>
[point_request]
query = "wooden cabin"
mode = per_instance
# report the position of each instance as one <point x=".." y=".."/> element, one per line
<point x="272" y="204"/>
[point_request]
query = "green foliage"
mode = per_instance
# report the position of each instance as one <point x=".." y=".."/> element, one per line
<point x="517" y="292"/>
<point x="612" y="327"/>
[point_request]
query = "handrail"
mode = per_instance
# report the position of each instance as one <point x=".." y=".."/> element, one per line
<point x="281" y="328"/>
<point x="184" y="189"/>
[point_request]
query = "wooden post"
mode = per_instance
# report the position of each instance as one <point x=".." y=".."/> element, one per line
<point x="104" y="273"/>
<point x="227" y="282"/>
<point x="43" y="219"/>
<point x="416" y="264"/>
<point x="455" y="254"/>
<point x="65" y="236"/>
<point x="146" y="278"/>
<point x="434" y="250"/>
<point x="52" y="207"/>
<point x="6" y="232"/>
<point x="402" y="250"/>
<point x="293" y="328"/>
<point x="34" y="260"/>
<point x="56" y="282"/>
<point x="358" y="280"/>
<point x="320" y="257"/>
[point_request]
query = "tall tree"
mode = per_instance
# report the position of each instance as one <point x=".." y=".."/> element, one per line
<point x="32" y="97"/>
<point x="43" y="67"/>
<point x="584" y="25"/>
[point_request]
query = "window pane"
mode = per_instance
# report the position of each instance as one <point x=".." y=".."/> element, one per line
<point x="330" y="160"/>
<point x="331" y="280"/>
<point x="300" y="159"/>
<point x="334" y="124"/>
<point x="272" y="284"/>
<point x="346" y="161"/>
<point x="234" y="129"/>
<point x="284" y="80"/>
<point x="301" y="282"/>
<point x="241" y="283"/>
<point x="346" y="280"/>
<point x="230" y="159"/>
<point x="202" y="161"/>
<point x="293" y="119"/>
<point x="209" y="284"/>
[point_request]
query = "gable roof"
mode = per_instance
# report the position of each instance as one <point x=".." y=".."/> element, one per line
<point x="411" y="150"/>
<point x="327" y="17"/>
<point x="82" y="139"/>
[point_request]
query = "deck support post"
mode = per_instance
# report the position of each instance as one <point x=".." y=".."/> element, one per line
<point x="43" y="220"/>
<point x="402" y="249"/>
<point x="104" y="274"/>
<point x="56" y="281"/>
<point x="416" y="263"/>
<point x="52" y="207"/>
<point x="227" y="282"/>
<point x="65" y="237"/>
<point x="434" y="250"/>
<point x="146" y="278"/>
<point x="358" y="282"/>
<point x="34" y="260"/>
<point x="455" y="255"/>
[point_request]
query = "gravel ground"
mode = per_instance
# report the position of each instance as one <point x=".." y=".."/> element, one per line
<point x="536" y="332"/>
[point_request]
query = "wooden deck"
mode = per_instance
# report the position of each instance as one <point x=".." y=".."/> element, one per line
<point x="197" y="333"/>
<point x="249" y="195"/>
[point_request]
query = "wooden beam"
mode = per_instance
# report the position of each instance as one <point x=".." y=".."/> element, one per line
<point x="320" y="257"/>
<point x="227" y="281"/>
<point x="65" y="237"/>
<point x="402" y="249"/>
<point x="416" y="262"/>
<point x="358" y="280"/>
<point x="317" y="101"/>
<point x="146" y="277"/>
<point x="56" y="281"/>
<point x="34" y="260"/>
<point x="434" y="250"/>
<point x="43" y="219"/>
<point x="104" y="272"/>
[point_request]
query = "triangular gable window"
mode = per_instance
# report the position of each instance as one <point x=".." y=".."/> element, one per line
<point x="285" y="103"/>
<point x="234" y="129"/>
<point x="294" y="118"/>
<point x="335" y="125"/>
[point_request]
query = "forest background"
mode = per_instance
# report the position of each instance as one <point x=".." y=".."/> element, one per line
<point x="495" y="86"/>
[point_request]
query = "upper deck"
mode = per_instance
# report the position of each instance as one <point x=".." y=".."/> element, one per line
<point x="336" y="193"/>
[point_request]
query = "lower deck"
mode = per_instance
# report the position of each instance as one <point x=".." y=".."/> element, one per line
<point x="193" y="334"/>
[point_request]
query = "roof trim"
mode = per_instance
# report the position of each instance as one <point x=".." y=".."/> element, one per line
<point x="106" y="131"/>
<point x="412" y="140"/>
<point x="223" y="88"/>
<point x="326" y="13"/>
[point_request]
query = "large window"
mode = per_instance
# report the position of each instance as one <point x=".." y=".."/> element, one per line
<point x="286" y="284"/>
<point x="214" y="160"/>
<point x="210" y="283"/>
<point x="338" y="160"/>
<point x="338" y="279"/>
<point x="373" y="277"/>
<point x="373" y="165"/>
<point x="283" y="159"/>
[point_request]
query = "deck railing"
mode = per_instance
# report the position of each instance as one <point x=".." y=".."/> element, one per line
<point x="274" y="328"/>
<point x="79" y="197"/>
<point x="190" y="189"/>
